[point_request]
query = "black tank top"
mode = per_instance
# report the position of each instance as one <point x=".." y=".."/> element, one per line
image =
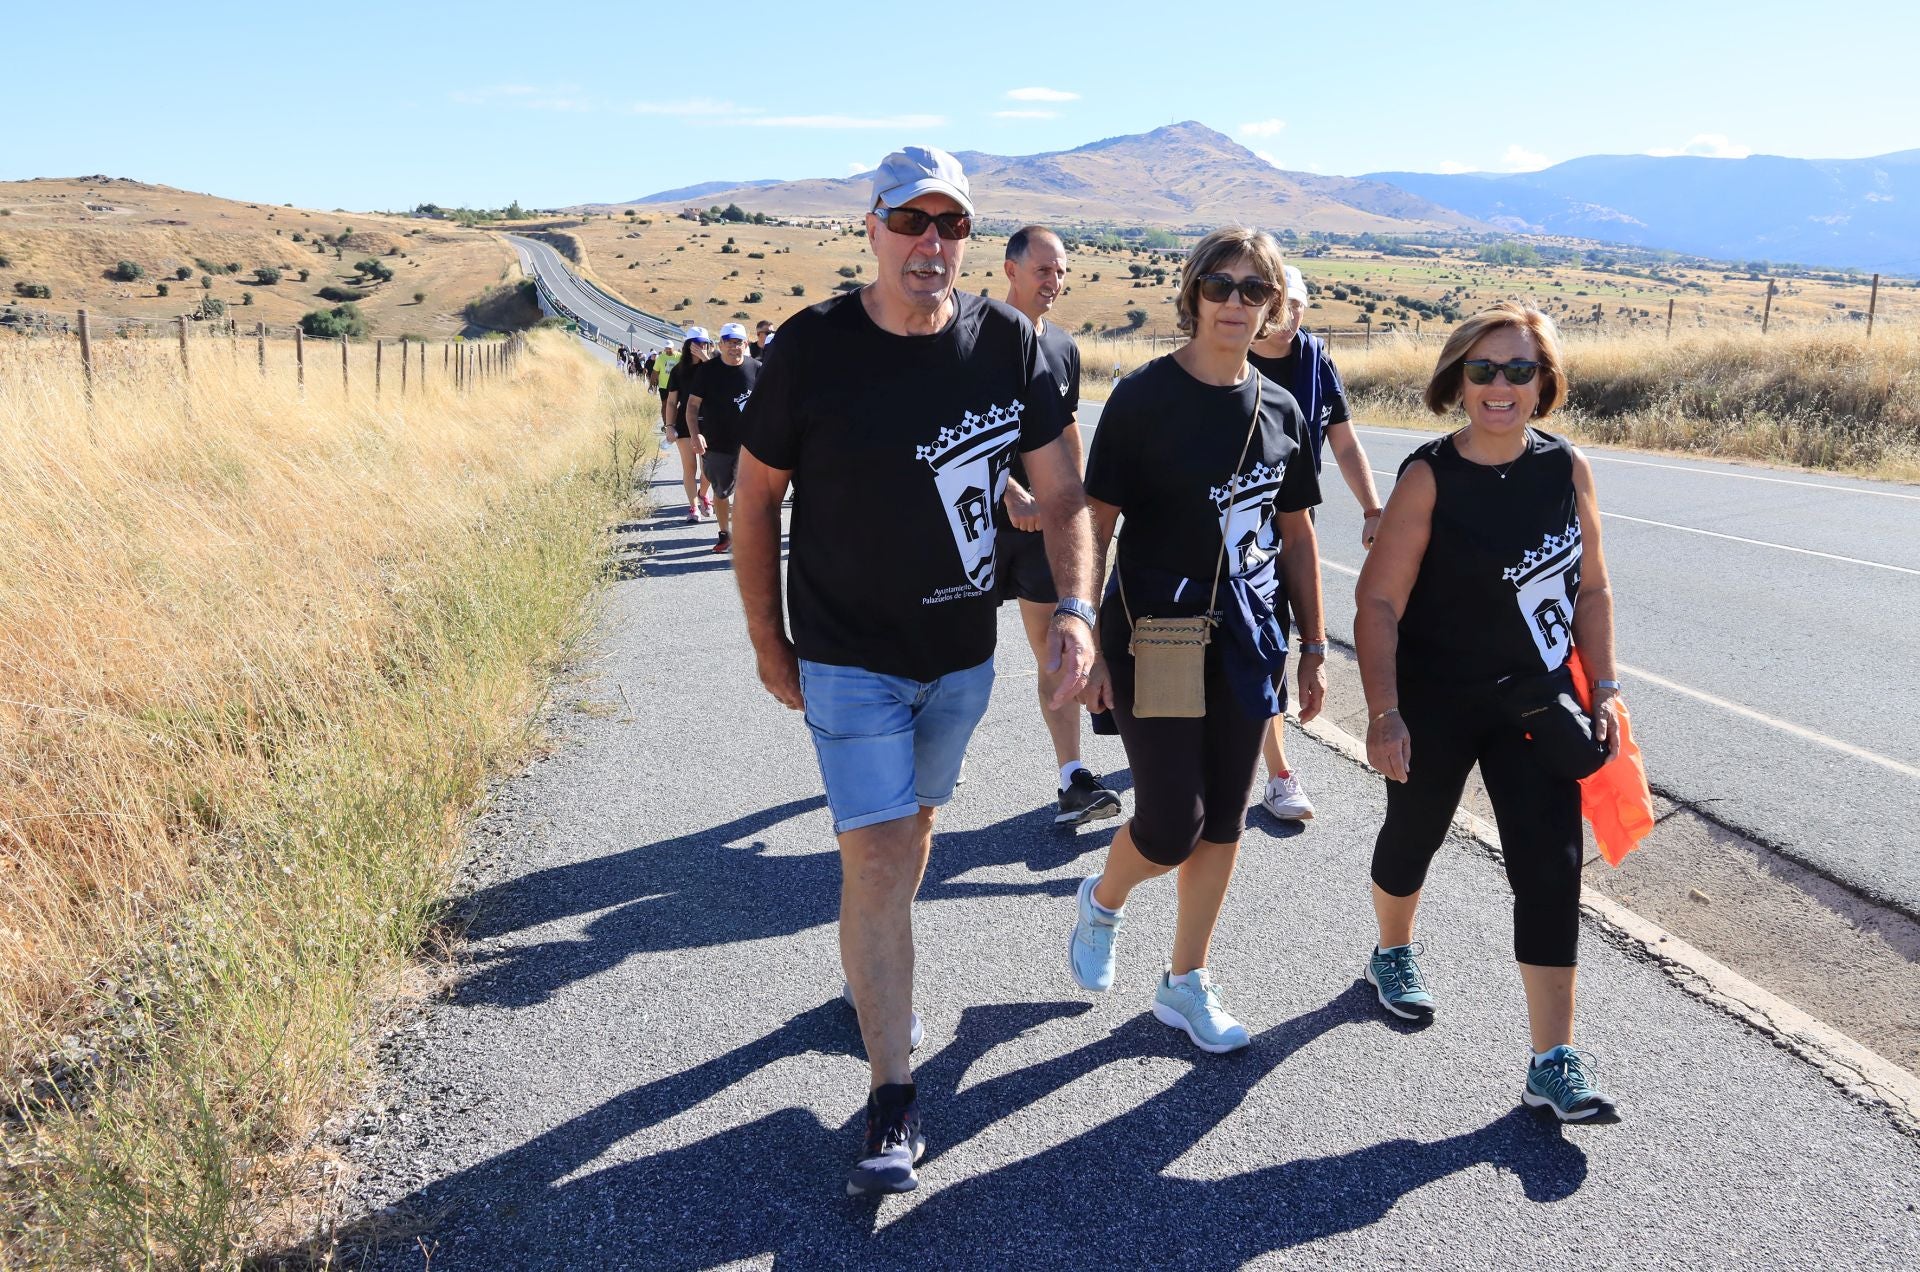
<point x="1494" y="597"/>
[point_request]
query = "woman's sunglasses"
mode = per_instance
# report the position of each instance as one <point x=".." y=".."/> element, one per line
<point x="1254" y="291"/>
<point x="912" y="222"/>
<point x="1518" y="372"/>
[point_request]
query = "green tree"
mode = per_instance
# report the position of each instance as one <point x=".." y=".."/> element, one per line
<point x="342" y="321"/>
<point x="128" y="272"/>
<point x="1136" y="319"/>
<point x="159" y="289"/>
<point x="266" y="275"/>
<point x="183" y="273"/>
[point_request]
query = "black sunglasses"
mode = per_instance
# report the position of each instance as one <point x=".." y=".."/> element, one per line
<point x="1518" y="372"/>
<point x="912" y="222"/>
<point x="1255" y="291"/>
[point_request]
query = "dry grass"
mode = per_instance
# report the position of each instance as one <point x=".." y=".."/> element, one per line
<point x="262" y="651"/>
<point x="69" y="234"/>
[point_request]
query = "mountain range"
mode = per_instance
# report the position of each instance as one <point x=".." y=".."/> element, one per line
<point x="1862" y="213"/>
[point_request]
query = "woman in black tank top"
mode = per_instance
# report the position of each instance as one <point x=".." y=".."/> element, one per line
<point x="1487" y="569"/>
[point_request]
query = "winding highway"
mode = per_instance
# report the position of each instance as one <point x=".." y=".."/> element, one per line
<point x="603" y="320"/>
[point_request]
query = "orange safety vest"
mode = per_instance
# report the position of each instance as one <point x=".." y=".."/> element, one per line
<point x="1616" y="800"/>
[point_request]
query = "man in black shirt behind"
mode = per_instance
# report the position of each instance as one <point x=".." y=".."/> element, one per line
<point x="893" y="413"/>
<point x="717" y="396"/>
<point x="1036" y="269"/>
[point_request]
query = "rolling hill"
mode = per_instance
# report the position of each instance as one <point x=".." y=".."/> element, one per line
<point x="1863" y="213"/>
<point x="1182" y="175"/>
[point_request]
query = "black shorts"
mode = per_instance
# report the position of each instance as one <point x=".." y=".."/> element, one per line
<point x="680" y="433"/>
<point x="1020" y="567"/>
<point x="721" y="468"/>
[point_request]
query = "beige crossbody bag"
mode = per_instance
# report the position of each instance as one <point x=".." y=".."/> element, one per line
<point x="1170" y="654"/>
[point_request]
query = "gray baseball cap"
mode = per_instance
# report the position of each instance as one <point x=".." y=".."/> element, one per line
<point x="917" y="170"/>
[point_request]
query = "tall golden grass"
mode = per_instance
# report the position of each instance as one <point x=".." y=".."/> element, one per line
<point x="1805" y="398"/>
<point x="261" y="651"/>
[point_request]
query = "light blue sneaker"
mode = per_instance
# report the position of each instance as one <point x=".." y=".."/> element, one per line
<point x="1090" y="953"/>
<point x="917" y="1033"/>
<point x="1397" y="980"/>
<point x="1563" y="1082"/>
<point x="1197" y="1008"/>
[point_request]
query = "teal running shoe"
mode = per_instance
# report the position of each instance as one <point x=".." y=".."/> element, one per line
<point x="916" y="1034"/>
<point x="1198" y="1010"/>
<point x="1090" y="953"/>
<point x="1563" y="1082"/>
<point x="1396" y="979"/>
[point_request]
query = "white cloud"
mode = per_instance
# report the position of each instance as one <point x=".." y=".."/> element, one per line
<point x="1026" y="114"/>
<point x="1271" y="161"/>
<point x="1706" y="145"/>
<point x="855" y="167"/>
<point x="844" y="121"/>
<point x="691" y="106"/>
<point x="1453" y="165"/>
<point x="1263" y="128"/>
<point x="1520" y="159"/>
<point x="1041" y="95"/>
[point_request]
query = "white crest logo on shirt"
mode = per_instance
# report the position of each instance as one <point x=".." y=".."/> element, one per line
<point x="1543" y="582"/>
<point x="740" y="403"/>
<point x="1246" y="518"/>
<point x="970" y="464"/>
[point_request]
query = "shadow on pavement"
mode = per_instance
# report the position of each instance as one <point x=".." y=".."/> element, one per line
<point x="1103" y="1197"/>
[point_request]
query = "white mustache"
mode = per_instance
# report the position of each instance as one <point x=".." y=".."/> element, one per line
<point x="926" y="267"/>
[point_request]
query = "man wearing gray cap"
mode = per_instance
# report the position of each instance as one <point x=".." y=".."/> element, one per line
<point x="893" y="412"/>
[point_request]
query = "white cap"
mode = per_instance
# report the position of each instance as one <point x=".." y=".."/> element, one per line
<point x="1296" y="283"/>
<point x="906" y="174"/>
<point x="700" y="334"/>
<point x="733" y="331"/>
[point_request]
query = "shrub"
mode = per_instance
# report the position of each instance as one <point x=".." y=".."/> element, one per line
<point x="1136" y="318"/>
<point x="753" y="298"/>
<point x="212" y="307"/>
<point x="206" y="282"/>
<point x="5" y="260"/>
<point x="419" y="298"/>
<point x="266" y="275"/>
<point x="756" y="256"/>
<point x="33" y="291"/>
<point x="159" y="289"/>
<point x="371" y="268"/>
<point x="247" y="299"/>
<point x="332" y="324"/>
<point x="799" y="289"/>
<point x="341" y="295"/>
<point x="850" y="286"/>
<point x="305" y="274"/>
<point x="183" y="273"/>
<point x="298" y="237"/>
<point x="848" y="271"/>
<point x="128" y="272"/>
<point x="233" y="267"/>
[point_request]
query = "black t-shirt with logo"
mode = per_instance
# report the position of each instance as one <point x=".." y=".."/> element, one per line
<point x="1496" y="588"/>
<point x="723" y="392"/>
<point x="899" y="447"/>
<point x="1063" y="356"/>
<point x="1164" y="456"/>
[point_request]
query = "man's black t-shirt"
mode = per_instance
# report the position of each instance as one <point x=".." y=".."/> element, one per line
<point x="1307" y="372"/>
<point x="899" y="446"/>
<point x="1164" y="454"/>
<point x="1063" y="357"/>
<point x="723" y="392"/>
<point x="677" y="381"/>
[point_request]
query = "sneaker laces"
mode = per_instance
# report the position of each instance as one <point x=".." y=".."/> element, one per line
<point x="1403" y="971"/>
<point x="1571" y="1073"/>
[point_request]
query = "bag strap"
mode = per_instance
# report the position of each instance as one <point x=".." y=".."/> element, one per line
<point x="1253" y="426"/>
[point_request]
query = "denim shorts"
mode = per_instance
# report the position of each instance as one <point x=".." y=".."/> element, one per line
<point x="889" y="746"/>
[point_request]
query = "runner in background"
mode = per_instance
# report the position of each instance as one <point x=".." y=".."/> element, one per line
<point x="762" y="337"/>
<point x="1036" y="268"/>
<point x="697" y="348"/>
<point x="1299" y="363"/>
<point x="717" y="397"/>
<point x="658" y="374"/>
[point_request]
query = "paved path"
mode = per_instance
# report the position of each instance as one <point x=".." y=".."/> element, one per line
<point x="648" y="1066"/>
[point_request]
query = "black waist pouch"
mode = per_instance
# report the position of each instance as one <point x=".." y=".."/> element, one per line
<point x="1548" y="711"/>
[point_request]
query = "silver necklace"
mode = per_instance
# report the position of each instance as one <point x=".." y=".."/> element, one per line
<point x="1501" y="469"/>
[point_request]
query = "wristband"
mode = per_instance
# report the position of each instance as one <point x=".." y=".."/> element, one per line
<point x="1314" y="647"/>
<point x="1384" y="714"/>
<point x="1607" y="684"/>
<point x="1076" y="608"/>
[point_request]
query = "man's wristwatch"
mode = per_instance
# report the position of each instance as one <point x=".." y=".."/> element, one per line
<point x="1613" y="685"/>
<point x="1077" y="608"/>
<point x="1314" y="647"/>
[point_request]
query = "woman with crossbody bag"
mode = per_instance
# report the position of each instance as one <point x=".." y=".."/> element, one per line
<point x="1208" y="462"/>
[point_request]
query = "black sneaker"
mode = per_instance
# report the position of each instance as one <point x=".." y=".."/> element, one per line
<point x="1085" y="800"/>
<point x="894" y="1144"/>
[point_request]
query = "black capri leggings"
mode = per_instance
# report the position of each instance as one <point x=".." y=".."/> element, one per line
<point x="1538" y="815"/>
<point x="1191" y="778"/>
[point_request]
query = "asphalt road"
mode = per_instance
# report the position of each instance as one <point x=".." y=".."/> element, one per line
<point x="647" y="1065"/>
<point x="619" y="322"/>
<point x="1769" y="624"/>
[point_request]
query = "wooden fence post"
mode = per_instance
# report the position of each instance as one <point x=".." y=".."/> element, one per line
<point x="344" y="386"/>
<point x="379" y="352"/>
<point x="300" y="357"/>
<point x="260" y="340"/>
<point x="423" y="366"/>
<point x="185" y="369"/>
<point x="403" y="366"/>
<point x="1669" y="317"/>
<point x="1873" y="303"/>
<point x="86" y="354"/>
<point x="1766" y="315"/>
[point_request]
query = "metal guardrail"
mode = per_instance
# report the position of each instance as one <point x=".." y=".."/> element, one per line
<point x="658" y="330"/>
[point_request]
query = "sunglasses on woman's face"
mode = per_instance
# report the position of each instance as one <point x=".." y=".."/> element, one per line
<point x="1254" y="291"/>
<point x="1518" y="372"/>
<point x="912" y="222"/>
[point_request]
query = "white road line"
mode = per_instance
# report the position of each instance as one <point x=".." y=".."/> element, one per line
<point x="1611" y="515"/>
<point x="1759" y="717"/>
<point x="1704" y="472"/>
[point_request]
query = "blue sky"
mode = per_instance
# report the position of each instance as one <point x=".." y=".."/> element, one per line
<point x="361" y="105"/>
